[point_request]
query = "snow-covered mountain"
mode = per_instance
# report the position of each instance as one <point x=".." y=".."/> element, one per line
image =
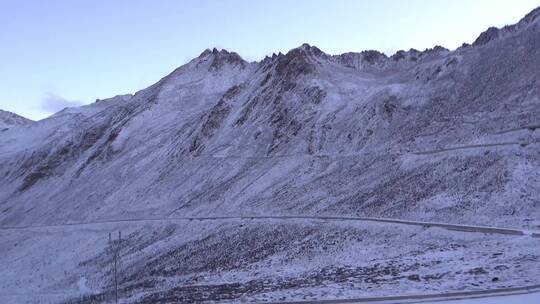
<point x="434" y="135"/>
<point x="438" y="135"/>
<point x="9" y="120"/>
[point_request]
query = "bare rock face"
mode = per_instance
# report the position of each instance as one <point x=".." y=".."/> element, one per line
<point x="218" y="59"/>
<point x="373" y="57"/>
<point x="490" y="34"/>
<point x="298" y="61"/>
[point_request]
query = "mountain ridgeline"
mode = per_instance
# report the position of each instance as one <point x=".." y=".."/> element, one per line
<point x="435" y="135"/>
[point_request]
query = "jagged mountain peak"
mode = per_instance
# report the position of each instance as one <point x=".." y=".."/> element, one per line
<point x="310" y="49"/>
<point x="436" y="49"/>
<point x="219" y="58"/>
<point x="493" y="33"/>
<point x="298" y="61"/>
<point x="415" y="55"/>
<point x="411" y="55"/>
<point x="216" y="52"/>
<point x="531" y="17"/>
<point x="373" y="56"/>
<point x="310" y="53"/>
<point x="370" y="59"/>
<point x="307" y="52"/>
<point x="488" y="35"/>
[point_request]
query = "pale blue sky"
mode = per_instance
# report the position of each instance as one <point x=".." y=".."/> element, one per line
<point x="59" y="52"/>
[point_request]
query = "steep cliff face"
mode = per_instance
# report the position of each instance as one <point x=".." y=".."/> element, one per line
<point x="438" y="135"/>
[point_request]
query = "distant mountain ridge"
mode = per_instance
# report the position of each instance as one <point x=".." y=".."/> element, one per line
<point x="9" y="119"/>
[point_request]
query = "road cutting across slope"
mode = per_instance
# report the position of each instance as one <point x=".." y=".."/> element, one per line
<point x="431" y="298"/>
<point x="448" y="226"/>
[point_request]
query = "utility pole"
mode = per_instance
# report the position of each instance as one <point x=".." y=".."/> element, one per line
<point x="115" y="255"/>
<point x="110" y="251"/>
<point x="115" y="267"/>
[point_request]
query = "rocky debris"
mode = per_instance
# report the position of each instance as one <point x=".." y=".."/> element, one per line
<point x="414" y="277"/>
<point x="477" y="271"/>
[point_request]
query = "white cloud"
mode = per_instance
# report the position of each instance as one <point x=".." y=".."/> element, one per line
<point x="53" y="103"/>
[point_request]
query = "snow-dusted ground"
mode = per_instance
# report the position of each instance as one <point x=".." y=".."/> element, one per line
<point x="260" y="260"/>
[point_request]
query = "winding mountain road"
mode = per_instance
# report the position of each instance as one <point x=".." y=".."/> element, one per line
<point x="429" y="298"/>
<point x="455" y="227"/>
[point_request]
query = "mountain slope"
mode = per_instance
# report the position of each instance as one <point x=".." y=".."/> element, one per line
<point x="8" y="120"/>
<point x="303" y="132"/>
<point x="437" y="135"/>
